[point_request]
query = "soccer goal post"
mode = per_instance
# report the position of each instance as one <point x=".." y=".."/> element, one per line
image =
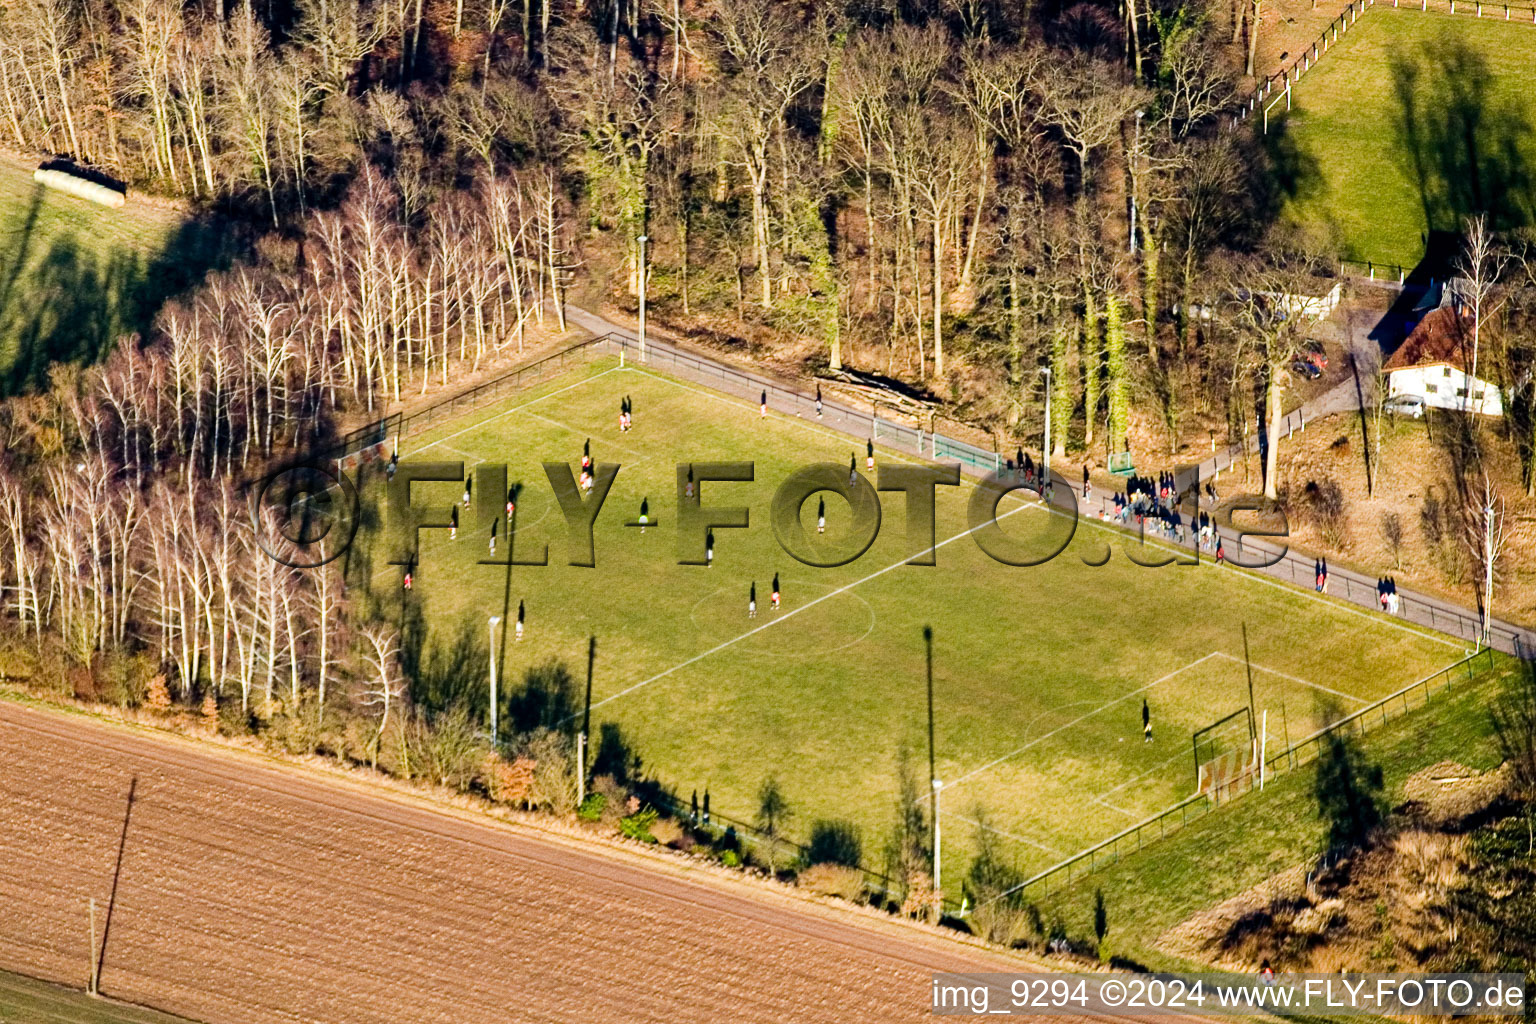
<point x="1226" y="755"/>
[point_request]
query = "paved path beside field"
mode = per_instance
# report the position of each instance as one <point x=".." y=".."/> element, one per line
<point x="1415" y="609"/>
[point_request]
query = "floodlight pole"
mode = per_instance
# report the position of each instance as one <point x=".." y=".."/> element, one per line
<point x="1263" y="748"/>
<point x="1248" y="663"/>
<point x="642" y="240"/>
<point x="938" y="875"/>
<point x="933" y="778"/>
<point x="586" y="724"/>
<point x="93" y="987"/>
<point x="491" y="656"/>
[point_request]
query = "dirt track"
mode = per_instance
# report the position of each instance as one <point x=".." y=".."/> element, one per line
<point x="251" y="893"/>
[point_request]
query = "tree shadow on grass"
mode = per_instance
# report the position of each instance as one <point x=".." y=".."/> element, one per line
<point x="1465" y="146"/>
<point x="445" y="666"/>
<point x="1294" y="171"/>
<point x="64" y="299"/>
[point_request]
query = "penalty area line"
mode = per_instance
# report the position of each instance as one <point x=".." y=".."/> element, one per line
<point x="1076" y="721"/>
<point x="516" y="408"/>
<point x="1296" y="679"/>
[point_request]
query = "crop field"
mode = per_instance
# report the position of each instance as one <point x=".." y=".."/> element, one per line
<point x="1407" y="125"/>
<point x="1039" y="672"/>
<point x="232" y="890"/>
<point x="74" y="276"/>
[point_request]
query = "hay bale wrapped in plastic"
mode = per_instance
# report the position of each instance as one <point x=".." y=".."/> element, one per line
<point x="80" y="188"/>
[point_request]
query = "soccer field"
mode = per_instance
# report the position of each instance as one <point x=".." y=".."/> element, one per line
<point x="1408" y="124"/>
<point x="1039" y="671"/>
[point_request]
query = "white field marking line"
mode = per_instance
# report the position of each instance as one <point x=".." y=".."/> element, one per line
<point x="1082" y="516"/>
<point x="473" y="460"/>
<point x="797" y="610"/>
<point x="515" y="408"/>
<point x="693" y="616"/>
<point x="1131" y="782"/>
<point x="1297" y="679"/>
<point x="1118" y="810"/>
<point x="1009" y="835"/>
<point x="1255" y="575"/>
<point x="719" y="396"/>
<point x="1076" y="721"/>
<point x="639" y="456"/>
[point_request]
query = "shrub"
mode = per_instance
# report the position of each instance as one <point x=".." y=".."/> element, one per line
<point x="668" y="831"/>
<point x="1392" y="533"/>
<point x="454" y="749"/>
<point x="296" y="727"/>
<point x="730" y="858"/>
<point x="508" y="782"/>
<point x="157" y="696"/>
<point x="829" y="879"/>
<point x="923" y="901"/>
<point x="124" y="679"/>
<point x="1005" y="921"/>
<point x="835" y="842"/>
<point x="638" y="825"/>
<point x="554" y="772"/>
<point x="615" y="799"/>
<point x="591" y="808"/>
<point x="1328" y="510"/>
<point x="994" y="887"/>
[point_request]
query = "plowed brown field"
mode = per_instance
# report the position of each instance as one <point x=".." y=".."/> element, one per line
<point x="251" y="892"/>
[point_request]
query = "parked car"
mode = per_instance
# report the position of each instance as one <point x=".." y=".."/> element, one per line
<point x="1302" y="368"/>
<point x="1406" y="405"/>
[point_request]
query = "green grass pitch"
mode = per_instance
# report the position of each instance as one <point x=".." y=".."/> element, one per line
<point x="1039" y="672"/>
<point x="1409" y="123"/>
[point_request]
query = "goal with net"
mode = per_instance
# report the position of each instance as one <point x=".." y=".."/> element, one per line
<point x="1227" y="756"/>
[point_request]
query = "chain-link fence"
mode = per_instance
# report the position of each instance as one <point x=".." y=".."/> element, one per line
<point x="1103" y="854"/>
<point x="888" y="429"/>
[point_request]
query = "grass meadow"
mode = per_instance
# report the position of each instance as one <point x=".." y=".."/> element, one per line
<point x="28" y="1001"/>
<point x="1409" y="123"/>
<point x="1039" y="672"/>
<point x="75" y="276"/>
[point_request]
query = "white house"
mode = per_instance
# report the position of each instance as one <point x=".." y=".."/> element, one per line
<point x="1432" y="364"/>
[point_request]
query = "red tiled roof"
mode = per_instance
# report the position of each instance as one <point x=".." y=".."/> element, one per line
<point x="1442" y="337"/>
